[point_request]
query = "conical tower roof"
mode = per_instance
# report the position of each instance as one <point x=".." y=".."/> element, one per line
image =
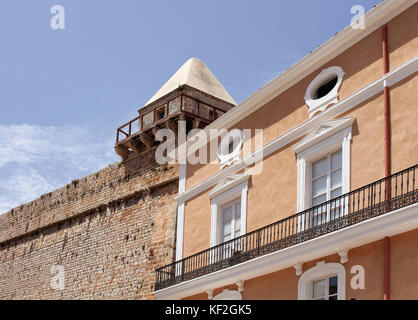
<point x="195" y="74"/>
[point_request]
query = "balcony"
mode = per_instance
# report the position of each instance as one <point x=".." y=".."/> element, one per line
<point x="185" y="103"/>
<point x="158" y="115"/>
<point x="378" y="198"/>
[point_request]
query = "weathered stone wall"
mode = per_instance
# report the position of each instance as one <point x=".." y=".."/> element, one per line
<point x="108" y="231"/>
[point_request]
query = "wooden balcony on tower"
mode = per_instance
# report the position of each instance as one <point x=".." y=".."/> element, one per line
<point x="192" y="94"/>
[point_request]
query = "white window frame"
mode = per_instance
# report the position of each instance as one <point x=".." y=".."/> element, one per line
<point x="223" y="193"/>
<point x="320" y="271"/>
<point x="315" y="148"/>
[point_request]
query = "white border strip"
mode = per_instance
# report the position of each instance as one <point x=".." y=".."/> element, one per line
<point x="180" y="214"/>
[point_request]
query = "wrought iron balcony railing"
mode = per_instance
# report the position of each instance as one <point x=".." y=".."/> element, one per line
<point x="385" y="195"/>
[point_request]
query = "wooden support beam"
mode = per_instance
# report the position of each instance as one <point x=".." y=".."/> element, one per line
<point x="146" y="139"/>
<point x="196" y="123"/>
<point x="171" y="125"/>
<point x="122" y="151"/>
<point x="182" y="117"/>
<point x="155" y="130"/>
<point x="135" y="146"/>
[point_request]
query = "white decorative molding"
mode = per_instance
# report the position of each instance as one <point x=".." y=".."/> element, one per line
<point x="322" y="131"/>
<point x="210" y="294"/>
<point x="320" y="104"/>
<point x="226" y="157"/>
<point x="321" y="270"/>
<point x="343" y="255"/>
<point x="240" y="285"/>
<point x="326" y="137"/>
<point x="230" y="188"/>
<point x="228" y="295"/>
<point x="388" y="224"/>
<point x="228" y="183"/>
<point x="341" y="107"/>
<point x="298" y="268"/>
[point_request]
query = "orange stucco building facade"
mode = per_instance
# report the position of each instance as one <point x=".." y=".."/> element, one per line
<point x="374" y="256"/>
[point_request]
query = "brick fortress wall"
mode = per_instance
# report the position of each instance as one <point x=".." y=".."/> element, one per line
<point x="106" y="233"/>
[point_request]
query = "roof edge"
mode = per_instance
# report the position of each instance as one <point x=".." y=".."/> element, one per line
<point x="374" y="18"/>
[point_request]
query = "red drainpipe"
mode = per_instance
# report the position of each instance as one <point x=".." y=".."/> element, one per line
<point x="387" y="152"/>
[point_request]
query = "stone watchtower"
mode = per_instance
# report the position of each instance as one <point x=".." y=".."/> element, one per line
<point x="105" y="234"/>
<point x="192" y="94"/>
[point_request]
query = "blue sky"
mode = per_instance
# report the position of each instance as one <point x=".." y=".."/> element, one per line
<point x="63" y="93"/>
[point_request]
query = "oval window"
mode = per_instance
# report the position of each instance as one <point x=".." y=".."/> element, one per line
<point x="323" y="90"/>
<point x="326" y="88"/>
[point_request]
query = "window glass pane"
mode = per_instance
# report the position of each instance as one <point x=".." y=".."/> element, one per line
<point x="227" y="228"/>
<point x="238" y="209"/>
<point x="335" y="193"/>
<point x="336" y="160"/>
<point x="227" y="213"/>
<point x="326" y="87"/>
<point x="231" y="220"/>
<point x="319" y="199"/>
<point x="336" y="179"/>
<point x="318" y="289"/>
<point x="333" y="297"/>
<point x="237" y="224"/>
<point x="319" y="168"/>
<point x="333" y="285"/>
<point x="319" y="186"/>
<point x="231" y="146"/>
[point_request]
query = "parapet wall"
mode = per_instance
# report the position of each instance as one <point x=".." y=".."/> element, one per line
<point x="107" y="232"/>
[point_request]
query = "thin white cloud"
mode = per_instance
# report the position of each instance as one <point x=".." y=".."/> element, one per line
<point x="25" y="144"/>
<point x="6" y="204"/>
<point x="38" y="159"/>
<point x="23" y="186"/>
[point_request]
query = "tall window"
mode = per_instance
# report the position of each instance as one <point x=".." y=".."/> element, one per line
<point x="228" y="202"/>
<point x="231" y="220"/>
<point x="323" y="160"/>
<point x="327" y="178"/>
<point x="231" y="228"/>
<point x="326" y="185"/>
<point x="325" y="289"/>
